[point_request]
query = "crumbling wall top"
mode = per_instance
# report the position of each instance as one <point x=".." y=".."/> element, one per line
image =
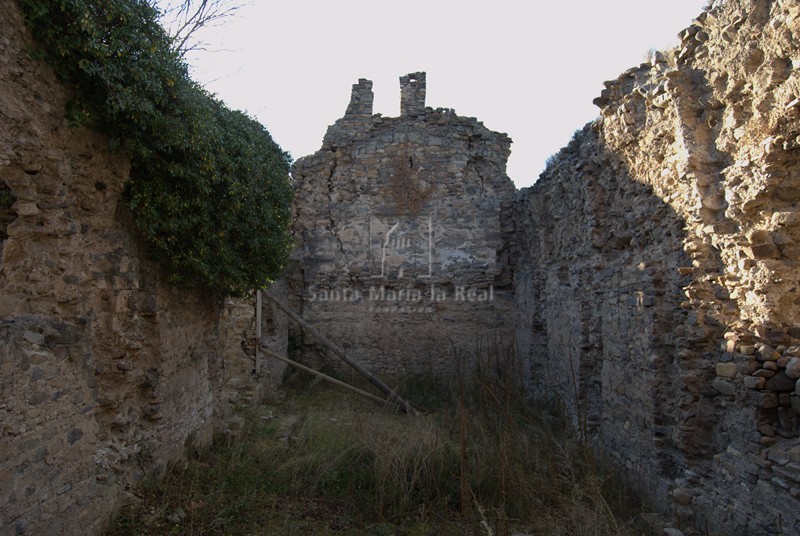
<point x="412" y="94"/>
<point x="359" y="122"/>
<point x="361" y="98"/>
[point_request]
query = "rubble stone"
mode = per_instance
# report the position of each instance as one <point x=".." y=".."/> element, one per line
<point x="402" y="252"/>
<point x="694" y="179"/>
<point x="107" y="372"/>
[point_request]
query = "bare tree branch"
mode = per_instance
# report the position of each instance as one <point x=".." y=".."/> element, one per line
<point x="184" y="20"/>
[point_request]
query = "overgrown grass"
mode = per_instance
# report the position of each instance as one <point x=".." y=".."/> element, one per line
<point x="483" y="459"/>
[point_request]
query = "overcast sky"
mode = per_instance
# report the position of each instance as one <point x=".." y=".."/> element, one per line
<point x="529" y="69"/>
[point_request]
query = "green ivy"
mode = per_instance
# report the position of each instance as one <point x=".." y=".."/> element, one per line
<point x="209" y="189"/>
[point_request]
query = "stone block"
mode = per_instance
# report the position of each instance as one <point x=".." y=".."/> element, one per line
<point x="764" y="373"/>
<point x="752" y="382"/>
<point x="723" y="386"/>
<point x="793" y="368"/>
<point x="780" y="382"/>
<point x="747" y="349"/>
<point x="749" y="367"/>
<point x="25" y="208"/>
<point x="727" y="370"/>
<point x="767" y="353"/>
<point x="34" y="337"/>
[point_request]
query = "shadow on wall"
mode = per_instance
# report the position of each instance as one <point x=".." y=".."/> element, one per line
<point x="7" y="213"/>
<point x="604" y="320"/>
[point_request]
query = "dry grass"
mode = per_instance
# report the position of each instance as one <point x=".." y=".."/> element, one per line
<point x="482" y="460"/>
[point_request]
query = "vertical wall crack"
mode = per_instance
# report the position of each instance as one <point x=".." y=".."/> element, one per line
<point x="334" y="228"/>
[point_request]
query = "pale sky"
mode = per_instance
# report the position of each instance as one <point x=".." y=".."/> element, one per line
<point x="529" y="69"/>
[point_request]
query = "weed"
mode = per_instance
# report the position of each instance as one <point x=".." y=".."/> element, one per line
<point x="483" y="459"/>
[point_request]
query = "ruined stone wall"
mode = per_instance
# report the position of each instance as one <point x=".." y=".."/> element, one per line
<point x="657" y="275"/>
<point x="401" y="255"/>
<point x="105" y="373"/>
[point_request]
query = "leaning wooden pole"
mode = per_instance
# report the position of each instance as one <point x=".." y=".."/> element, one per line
<point x="393" y="397"/>
<point x="325" y="377"/>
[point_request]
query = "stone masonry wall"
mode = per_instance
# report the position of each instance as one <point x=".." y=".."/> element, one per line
<point x="649" y="280"/>
<point x="656" y="276"/>
<point x="105" y="373"/>
<point x="401" y="255"/>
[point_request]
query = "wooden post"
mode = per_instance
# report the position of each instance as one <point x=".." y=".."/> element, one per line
<point x="393" y="397"/>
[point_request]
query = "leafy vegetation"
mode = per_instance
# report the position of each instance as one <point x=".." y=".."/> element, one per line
<point x="210" y="190"/>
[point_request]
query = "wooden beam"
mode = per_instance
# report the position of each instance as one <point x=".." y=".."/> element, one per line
<point x="393" y="397"/>
<point x="325" y="377"/>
